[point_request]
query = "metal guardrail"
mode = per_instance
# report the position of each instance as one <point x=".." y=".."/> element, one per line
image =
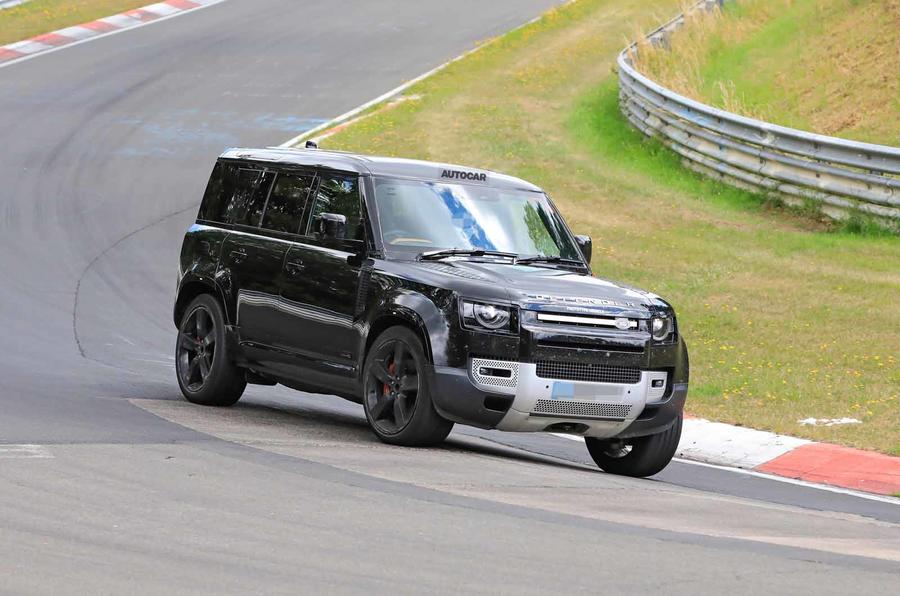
<point x="838" y="175"/>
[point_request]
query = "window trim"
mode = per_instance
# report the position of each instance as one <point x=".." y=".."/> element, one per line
<point x="306" y="221"/>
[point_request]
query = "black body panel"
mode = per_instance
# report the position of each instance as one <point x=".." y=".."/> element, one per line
<point x="303" y="308"/>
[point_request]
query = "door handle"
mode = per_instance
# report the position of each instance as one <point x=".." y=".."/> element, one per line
<point x="294" y="267"/>
<point x="238" y="255"/>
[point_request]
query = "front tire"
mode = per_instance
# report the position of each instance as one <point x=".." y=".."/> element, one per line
<point x="396" y="395"/>
<point x="638" y="457"/>
<point x="204" y="367"/>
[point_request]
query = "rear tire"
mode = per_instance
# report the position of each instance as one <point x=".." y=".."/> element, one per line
<point x="204" y="367"/>
<point x="396" y="395"/>
<point x="638" y="457"/>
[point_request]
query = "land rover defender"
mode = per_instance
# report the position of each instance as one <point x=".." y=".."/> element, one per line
<point x="432" y="294"/>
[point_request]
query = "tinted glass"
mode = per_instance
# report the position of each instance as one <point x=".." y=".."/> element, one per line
<point x="250" y="192"/>
<point x="218" y="191"/>
<point x="244" y="184"/>
<point x="285" y="207"/>
<point x="422" y="215"/>
<point x="339" y="194"/>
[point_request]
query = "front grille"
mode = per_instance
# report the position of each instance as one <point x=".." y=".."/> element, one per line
<point x="554" y="407"/>
<point x="595" y="345"/>
<point x="582" y="371"/>
<point x="578" y="320"/>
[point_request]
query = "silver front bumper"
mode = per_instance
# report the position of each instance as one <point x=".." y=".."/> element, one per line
<point x="592" y="409"/>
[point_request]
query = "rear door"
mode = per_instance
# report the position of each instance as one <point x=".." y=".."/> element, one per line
<point x="250" y="262"/>
<point x="320" y="283"/>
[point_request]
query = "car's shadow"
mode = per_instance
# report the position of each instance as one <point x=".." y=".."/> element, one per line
<point x="333" y="419"/>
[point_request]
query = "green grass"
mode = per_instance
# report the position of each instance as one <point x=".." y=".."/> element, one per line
<point x="829" y="67"/>
<point x="42" y="16"/>
<point x="785" y="319"/>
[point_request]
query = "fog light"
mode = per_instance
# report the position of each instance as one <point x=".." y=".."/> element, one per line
<point x="495" y="372"/>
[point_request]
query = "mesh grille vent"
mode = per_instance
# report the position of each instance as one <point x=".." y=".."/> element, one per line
<point x="510" y="381"/>
<point x="582" y="408"/>
<point x="594" y="373"/>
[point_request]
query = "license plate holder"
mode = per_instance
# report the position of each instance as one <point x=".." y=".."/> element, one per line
<point x="590" y="392"/>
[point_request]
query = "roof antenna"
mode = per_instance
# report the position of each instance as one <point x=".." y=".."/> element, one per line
<point x="310" y="144"/>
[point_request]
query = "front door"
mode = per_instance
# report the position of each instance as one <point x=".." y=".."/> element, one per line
<point x="319" y="285"/>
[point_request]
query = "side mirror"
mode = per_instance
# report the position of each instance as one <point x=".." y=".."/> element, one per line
<point x="331" y="225"/>
<point x="586" y="246"/>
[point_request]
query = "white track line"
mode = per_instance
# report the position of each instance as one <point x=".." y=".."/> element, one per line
<point x="396" y="90"/>
<point x="24" y="452"/>
<point x="11" y="3"/>
<point x="108" y="33"/>
<point x="825" y="487"/>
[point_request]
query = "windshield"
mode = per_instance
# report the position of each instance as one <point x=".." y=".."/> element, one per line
<point x="419" y="215"/>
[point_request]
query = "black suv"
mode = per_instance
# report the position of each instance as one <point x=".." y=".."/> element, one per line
<point x="431" y="294"/>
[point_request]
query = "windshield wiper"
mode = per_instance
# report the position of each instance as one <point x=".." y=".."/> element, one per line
<point x="434" y="255"/>
<point x="543" y="259"/>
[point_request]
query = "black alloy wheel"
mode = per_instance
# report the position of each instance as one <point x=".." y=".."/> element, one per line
<point x="205" y="370"/>
<point x="196" y="348"/>
<point x="393" y="387"/>
<point x="396" y="399"/>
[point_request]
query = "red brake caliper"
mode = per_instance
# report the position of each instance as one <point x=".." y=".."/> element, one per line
<point x="391" y="369"/>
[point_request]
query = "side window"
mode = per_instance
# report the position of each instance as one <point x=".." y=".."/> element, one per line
<point x="218" y="192"/>
<point x="284" y="211"/>
<point x="251" y="190"/>
<point x="338" y="194"/>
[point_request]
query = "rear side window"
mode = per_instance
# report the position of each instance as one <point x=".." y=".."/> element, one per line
<point x="251" y="189"/>
<point x="284" y="210"/>
<point x="218" y="192"/>
<point x="339" y="194"/>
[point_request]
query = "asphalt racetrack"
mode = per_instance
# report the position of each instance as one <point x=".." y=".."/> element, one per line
<point x="111" y="483"/>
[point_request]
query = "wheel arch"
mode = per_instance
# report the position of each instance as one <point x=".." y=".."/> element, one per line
<point x="397" y="317"/>
<point x="192" y="287"/>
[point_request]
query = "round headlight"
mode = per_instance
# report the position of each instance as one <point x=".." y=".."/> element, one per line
<point x="660" y="328"/>
<point x="490" y="316"/>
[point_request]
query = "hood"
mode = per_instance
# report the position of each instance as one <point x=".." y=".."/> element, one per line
<point x="546" y="288"/>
